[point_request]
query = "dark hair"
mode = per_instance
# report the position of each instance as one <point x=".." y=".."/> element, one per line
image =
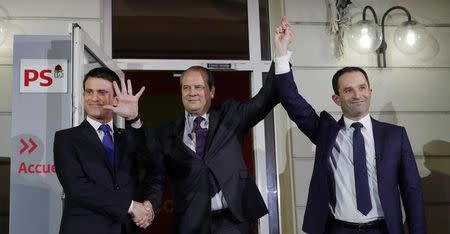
<point x="204" y="72"/>
<point x="102" y="73"/>
<point x="344" y="70"/>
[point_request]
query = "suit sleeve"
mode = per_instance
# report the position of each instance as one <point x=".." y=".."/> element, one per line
<point x="411" y="190"/>
<point x="261" y="104"/>
<point x="298" y="109"/>
<point x="151" y="159"/>
<point x="81" y="189"/>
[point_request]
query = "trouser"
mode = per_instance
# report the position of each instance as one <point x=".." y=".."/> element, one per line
<point x="223" y="222"/>
<point x="341" y="227"/>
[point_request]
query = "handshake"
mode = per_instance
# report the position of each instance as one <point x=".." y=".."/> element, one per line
<point x="142" y="213"/>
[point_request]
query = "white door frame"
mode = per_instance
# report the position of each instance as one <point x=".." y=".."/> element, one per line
<point x="82" y="43"/>
<point x="255" y="65"/>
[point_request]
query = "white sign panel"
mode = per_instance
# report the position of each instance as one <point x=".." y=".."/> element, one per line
<point x="43" y="76"/>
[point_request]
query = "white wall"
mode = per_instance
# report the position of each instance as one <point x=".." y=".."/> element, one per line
<point x="413" y="92"/>
<point x="43" y="17"/>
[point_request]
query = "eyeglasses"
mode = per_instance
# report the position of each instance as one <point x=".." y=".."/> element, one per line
<point x="100" y="93"/>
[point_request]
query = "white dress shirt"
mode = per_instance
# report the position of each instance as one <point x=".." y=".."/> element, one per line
<point x="96" y="125"/>
<point x="282" y="63"/>
<point x="342" y="165"/>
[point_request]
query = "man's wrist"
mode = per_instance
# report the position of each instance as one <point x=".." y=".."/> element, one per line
<point x="132" y="120"/>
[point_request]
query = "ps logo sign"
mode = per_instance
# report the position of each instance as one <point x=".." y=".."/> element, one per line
<point x="43" y="76"/>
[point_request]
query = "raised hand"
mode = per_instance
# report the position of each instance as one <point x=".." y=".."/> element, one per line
<point x="127" y="103"/>
<point x="283" y="37"/>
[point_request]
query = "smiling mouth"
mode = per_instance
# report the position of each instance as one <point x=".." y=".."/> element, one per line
<point x="96" y="106"/>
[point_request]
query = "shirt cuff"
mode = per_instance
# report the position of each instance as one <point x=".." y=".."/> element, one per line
<point x="131" y="207"/>
<point x="282" y="63"/>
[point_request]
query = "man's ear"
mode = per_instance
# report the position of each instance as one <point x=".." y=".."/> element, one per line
<point x="336" y="99"/>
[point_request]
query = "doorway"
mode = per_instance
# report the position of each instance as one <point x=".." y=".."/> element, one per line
<point x="161" y="103"/>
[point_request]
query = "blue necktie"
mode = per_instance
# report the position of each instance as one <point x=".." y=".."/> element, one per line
<point x="360" y="169"/>
<point x="200" y="142"/>
<point x="108" y="143"/>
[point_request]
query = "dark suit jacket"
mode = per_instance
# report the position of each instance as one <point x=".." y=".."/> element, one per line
<point x="97" y="196"/>
<point x="188" y="174"/>
<point x="396" y="167"/>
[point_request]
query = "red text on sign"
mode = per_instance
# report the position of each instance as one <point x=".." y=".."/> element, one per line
<point x="32" y="75"/>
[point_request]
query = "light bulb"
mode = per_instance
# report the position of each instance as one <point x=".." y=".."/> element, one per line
<point x="411" y="37"/>
<point x="364" y="36"/>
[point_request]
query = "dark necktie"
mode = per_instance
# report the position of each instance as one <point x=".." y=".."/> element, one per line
<point x="108" y="143"/>
<point x="360" y="169"/>
<point x="200" y="141"/>
<point x="200" y="136"/>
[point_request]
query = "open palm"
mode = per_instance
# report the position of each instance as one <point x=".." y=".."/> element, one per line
<point x="127" y="103"/>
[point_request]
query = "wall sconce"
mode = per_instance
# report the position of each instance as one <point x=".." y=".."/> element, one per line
<point x="365" y="36"/>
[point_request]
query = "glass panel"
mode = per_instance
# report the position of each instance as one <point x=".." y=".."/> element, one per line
<point x="264" y="27"/>
<point x="179" y="29"/>
<point x="90" y="61"/>
<point x="89" y="58"/>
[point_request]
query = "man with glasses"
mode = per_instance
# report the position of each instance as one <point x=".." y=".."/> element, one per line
<point x="97" y="164"/>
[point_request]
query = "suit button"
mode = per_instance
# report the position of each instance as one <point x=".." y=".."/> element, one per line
<point x="117" y="188"/>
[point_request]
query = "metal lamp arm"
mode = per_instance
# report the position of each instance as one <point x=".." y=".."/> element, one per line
<point x="388" y="11"/>
<point x="373" y="13"/>
<point x="383" y="46"/>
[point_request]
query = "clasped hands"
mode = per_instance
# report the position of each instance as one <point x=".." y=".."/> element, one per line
<point x="142" y="214"/>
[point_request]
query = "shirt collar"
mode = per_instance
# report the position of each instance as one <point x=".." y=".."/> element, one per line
<point x="95" y="124"/>
<point x="190" y="119"/>
<point x="365" y="121"/>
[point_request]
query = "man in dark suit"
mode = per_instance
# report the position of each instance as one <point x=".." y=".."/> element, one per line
<point x="97" y="164"/>
<point x="212" y="188"/>
<point x="362" y="166"/>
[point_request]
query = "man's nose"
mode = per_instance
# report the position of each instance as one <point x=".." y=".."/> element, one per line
<point x="94" y="96"/>
<point x="357" y="94"/>
<point x="192" y="92"/>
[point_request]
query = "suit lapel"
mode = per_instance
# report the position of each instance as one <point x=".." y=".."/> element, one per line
<point x="332" y="134"/>
<point x="334" y="129"/>
<point x="91" y="136"/>
<point x="379" y="143"/>
<point x="341" y="122"/>
<point x="213" y="123"/>
<point x="177" y="135"/>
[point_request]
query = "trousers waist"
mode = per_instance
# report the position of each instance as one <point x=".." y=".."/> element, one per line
<point x="360" y="226"/>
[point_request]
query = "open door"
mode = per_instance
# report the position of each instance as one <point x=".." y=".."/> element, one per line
<point x="46" y="96"/>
